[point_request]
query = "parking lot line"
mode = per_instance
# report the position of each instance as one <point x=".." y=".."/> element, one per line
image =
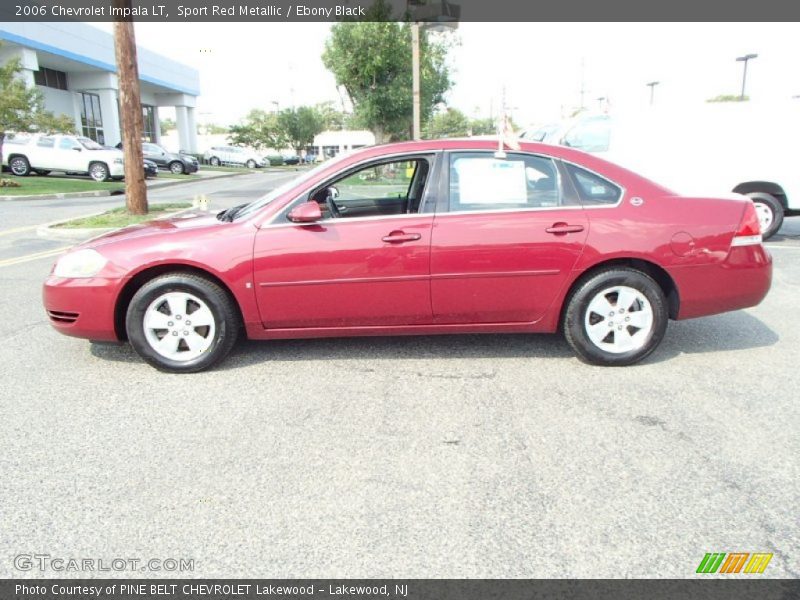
<point x="28" y="257"/>
<point x="18" y="229"/>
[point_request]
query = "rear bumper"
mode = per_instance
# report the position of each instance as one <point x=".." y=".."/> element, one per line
<point x="82" y="307"/>
<point x="741" y="281"/>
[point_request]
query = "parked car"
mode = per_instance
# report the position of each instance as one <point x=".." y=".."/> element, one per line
<point x="291" y="159"/>
<point x="234" y="155"/>
<point x="424" y="237"/>
<point x="150" y="168"/>
<point x="43" y="154"/>
<point x="705" y="150"/>
<point x="176" y="163"/>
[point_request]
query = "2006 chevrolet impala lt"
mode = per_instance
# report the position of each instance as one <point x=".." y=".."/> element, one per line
<point x="425" y="237"/>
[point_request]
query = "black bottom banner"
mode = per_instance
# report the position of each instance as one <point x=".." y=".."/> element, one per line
<point x="396" y="589"/>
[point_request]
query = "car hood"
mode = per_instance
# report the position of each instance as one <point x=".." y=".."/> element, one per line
<point x="158" y="227"/>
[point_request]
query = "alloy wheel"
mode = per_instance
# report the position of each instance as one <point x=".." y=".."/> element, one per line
<point x="179" y="326"/>
<point x="619" y="319"/>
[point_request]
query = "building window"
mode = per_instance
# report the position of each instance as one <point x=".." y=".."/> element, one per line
<point x="91" y="118"/>
<point x="148" y="123"/>
<point x="50" y="78"/>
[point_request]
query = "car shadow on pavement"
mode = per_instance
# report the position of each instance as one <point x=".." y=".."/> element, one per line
<point x="730" y="331"/>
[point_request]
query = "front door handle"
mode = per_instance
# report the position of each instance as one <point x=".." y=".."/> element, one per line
<point x="563" y="228"/>
<point x="398" y="237"/>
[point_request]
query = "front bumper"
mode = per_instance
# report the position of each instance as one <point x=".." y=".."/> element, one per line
<point x="116" y="169"/>
<point x="82" y="308"/>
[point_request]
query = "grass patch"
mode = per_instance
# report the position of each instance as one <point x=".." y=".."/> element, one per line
<point x="241" y="169"/>
<point x="119" y="217"/>
<point x="37" y="185"/>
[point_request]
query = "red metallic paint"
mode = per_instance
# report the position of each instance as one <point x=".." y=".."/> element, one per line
<point x="480" y="272"/>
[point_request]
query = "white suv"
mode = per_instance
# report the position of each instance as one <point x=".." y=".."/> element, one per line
<point x="234" y="155"/>
<point x="68" y="153"/>
<point x="744" y="148"/>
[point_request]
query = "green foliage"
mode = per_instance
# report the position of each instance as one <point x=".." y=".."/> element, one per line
<point x="167" y="125"/>
<point x="334" y="119"/>
<point x="372" y="61"/>
<point x="450" y="123"/>
<point x="22" y="108"/>
<point x="728" y="98"/>
<point x="299" y="126"/>
<point x="485" y="126"/>
<point x="211" y="128"/>
<point x="259" y="129"/>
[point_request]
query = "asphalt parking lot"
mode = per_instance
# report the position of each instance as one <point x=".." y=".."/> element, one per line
<point x="452" y="456"/>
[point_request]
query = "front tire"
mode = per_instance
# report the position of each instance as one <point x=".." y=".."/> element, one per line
<point x="19" y="166"/>
<point x="251" y="164"/>
<point x="182" y="323"/>
<point x="769" y="211"/>
<point x="214" y="161"/>
<point x="177" y="168"/>
<point x="98" y="171"/>
<point x="616" y="317"/>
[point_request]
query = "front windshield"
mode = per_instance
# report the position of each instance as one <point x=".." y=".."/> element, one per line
<point x="90" y="144"/>
<point x="292" y="183"/>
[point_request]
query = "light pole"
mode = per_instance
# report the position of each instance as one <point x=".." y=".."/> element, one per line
<point x="652" y="85"/>
<point x="744" y="60"/>
<point x="426" y="15"/>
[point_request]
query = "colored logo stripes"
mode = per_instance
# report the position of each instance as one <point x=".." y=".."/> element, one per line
<point x="735" y="562"/>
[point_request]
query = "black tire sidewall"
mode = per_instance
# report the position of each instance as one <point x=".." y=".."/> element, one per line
<point x="574" y="329"/>
<point x="226" y="329"/>
<point x="777" y="211"/>
<point x="24" y="161"/>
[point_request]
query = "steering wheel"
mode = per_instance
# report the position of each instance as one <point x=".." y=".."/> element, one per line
<point x="332" y="208"/>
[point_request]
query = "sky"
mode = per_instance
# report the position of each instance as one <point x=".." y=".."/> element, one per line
<point x="541" y="66"/>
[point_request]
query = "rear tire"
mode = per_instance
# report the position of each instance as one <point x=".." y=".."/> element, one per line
<point x="160" y="329"/>
<point x="214" y="161"/>
<point x="177" y="168"/>
<point x="19" y="166"/>
<point x="616" y="317"/>
<point x="251" y="164"/>
<point x="769" y="211"/>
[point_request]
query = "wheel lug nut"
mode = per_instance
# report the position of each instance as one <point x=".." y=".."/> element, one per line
<point x="174" y="333"/>
<point x="188" y="323"/>
<point x="178" y="317"/>
<point x="185" y="332"/>
<point x="627" y="318"/>
<point x="170" y="324"/>
<point x="620" y="327"/>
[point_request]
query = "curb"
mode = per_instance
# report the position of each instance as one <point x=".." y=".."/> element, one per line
<point x="104" y="193"/>
<point x="49" y="231"/>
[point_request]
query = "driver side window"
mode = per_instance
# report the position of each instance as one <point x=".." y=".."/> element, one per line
<point x="390" y="188"/>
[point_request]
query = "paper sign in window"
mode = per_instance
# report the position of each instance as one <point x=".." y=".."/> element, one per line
<point x="494" y="181"/>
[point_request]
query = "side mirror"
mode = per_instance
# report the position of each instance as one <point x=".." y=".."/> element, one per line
<point x="308" y="212"/>
<point x="77" y="148"/>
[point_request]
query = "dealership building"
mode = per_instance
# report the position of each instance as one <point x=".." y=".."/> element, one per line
<point x="73" y="65"/>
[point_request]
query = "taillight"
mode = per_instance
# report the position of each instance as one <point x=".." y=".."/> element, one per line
<point x="749" y="232"/>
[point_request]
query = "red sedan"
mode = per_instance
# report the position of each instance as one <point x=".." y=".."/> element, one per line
<point x="421" y="238"/>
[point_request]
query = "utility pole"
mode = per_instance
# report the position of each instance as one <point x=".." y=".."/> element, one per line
<point x="130" y="108"/>
<point x="652" y="85"/>
<point x="415" y="92"/>
<point x="744" y="59"/>
<point x="583" y="84"/>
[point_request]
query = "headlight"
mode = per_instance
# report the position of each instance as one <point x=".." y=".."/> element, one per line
<point x="79" y="264"/>
<point x="117" y="161"/>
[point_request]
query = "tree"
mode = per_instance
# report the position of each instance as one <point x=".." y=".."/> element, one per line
<point x="486" y="126"/>
<point x="450" y="123"/>
<point x="371" y="59"/>
<point x="332" y="118"/>
<point x="167" y="125"/>
<point x="300" y="125"/>
<point x="22" y="107"/>
<point x="259" y="129"/>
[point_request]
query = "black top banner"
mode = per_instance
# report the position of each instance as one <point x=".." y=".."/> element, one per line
<point x="433" y="11"/>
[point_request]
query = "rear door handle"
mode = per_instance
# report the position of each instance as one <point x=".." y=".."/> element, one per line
<point x="563" y="228"/>
<point x="398" y="237"/>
